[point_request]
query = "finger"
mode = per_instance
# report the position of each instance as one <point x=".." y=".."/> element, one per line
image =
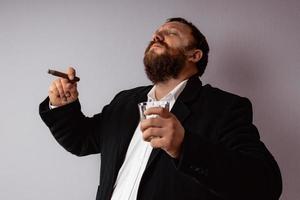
<point x="151" y="122"/>
<point x="72" y="86"/>
<point x="53" y="89"/>
<point x="149" y="133"/>
<point x="69" y="85"/>
<point x="66" y="90"/>
<point x="157" y="142"/>
<point x="74" y="92"/>
<point x="58" y="84"/>
<point x="65" y="81"/>
<point x="70" y="90"/>
<point x="71" y="73"/>
<point x="162" y="112"/>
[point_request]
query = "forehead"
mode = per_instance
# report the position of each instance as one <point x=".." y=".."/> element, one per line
<point x="183" y="28"/>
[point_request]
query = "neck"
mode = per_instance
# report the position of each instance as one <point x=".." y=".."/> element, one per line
<point x="163" y="88"/>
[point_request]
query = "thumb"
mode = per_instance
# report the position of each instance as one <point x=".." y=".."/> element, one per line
<point x="71" y="73"/>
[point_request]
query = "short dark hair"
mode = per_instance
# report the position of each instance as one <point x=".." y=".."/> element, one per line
<point x="200" y="42"/>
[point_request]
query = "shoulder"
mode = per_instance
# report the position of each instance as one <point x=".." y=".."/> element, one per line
<point x="216" y="100"/>
<point x="220" y="96"/>
<point x="215" y="92"/>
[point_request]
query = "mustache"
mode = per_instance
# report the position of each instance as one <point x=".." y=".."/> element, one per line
<point x="151" y="43"/>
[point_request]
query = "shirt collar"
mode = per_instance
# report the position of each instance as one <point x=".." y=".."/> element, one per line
<point x="171" y="96"/>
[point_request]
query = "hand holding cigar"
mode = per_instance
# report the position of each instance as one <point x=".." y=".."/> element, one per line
<point x="62" y="75"/>
<point x="63" y="90"/>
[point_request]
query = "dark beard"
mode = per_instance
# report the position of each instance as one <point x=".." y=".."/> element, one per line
<point x="164" y="66"/>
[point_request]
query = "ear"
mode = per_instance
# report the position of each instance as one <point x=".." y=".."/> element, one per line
<point x="195" y="55"/>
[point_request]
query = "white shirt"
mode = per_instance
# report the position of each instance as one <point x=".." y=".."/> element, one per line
<point x="138" y="153"/>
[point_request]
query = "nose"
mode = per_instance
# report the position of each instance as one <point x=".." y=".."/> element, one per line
<point x="157" y="37"/>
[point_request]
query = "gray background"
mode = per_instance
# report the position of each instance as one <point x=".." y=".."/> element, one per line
<point x="254" y="52"/>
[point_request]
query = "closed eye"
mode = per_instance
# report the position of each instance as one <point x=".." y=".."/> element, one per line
<point x="171" y="32"/>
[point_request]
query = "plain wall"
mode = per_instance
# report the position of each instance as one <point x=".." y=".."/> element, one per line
<point x="255" y="52"/>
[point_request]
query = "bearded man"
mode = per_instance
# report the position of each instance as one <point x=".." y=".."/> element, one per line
<point x="205" y="147"/>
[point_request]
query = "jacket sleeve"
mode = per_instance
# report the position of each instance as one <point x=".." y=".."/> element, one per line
<point x="77" y="133"/>
<point x="235" y="164"/>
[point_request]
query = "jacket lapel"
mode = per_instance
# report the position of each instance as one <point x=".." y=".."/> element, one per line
<point x="181" y="108"/>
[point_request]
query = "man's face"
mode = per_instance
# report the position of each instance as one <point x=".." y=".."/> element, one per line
<point x="165" y="55"/>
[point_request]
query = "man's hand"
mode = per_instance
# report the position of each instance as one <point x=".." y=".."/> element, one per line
<point x="62" y="91"/>
<point x="163" y="131"/>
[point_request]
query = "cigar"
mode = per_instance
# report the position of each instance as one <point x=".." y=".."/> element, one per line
<point x="62" y="75"/>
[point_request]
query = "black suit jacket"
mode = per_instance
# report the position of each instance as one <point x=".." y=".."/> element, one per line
<point x="222" y="155"/>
